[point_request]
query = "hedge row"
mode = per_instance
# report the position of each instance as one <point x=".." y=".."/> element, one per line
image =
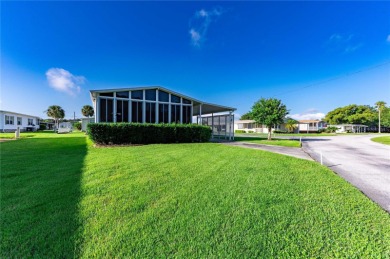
<point x="146" y="133"/>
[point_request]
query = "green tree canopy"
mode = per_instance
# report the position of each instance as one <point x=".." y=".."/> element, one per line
<point x="269" y="112"/>
<point x="246" y="116"/>
<point x="352" y="114"/>
<point x="87" y="111"/>
<point x="55" y="112"/>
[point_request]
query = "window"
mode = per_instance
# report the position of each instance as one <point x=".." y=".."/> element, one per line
<point x="122" y="111"/>
<point x="19" y="120"/>
<point x="30" y="122"/>
<point x="187" y="117"/>
<point x="175" y="113"/>
<point x="122" y="94"/>
<point x="185" y="101"/>
<point x="175" y="99"/>
<point x="107" y="94"/>
<point x="150" y="95"/>
<point x="163" y="96"/>
<point x="136" y="111"/>
<point x="150" y="112"/>
<point x="9" y="120"/>
<point x="138" y="95"/>
<point x="106" y="110"/>
<point x="163" y="113"/>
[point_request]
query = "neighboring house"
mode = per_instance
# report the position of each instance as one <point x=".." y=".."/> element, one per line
<point x="156" y="104"/>
<point x="251" y="126"/>
<point x="311" y="126"/>
<point x="10" y="121"/>
<point x="350" y="128"/>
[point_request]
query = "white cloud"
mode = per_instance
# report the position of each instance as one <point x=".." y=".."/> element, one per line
<point x="200" y="23"/>
<point x="343" y="42"/>
<point x="64" y="81"/>
<point x="388" y="38"/>
<point x="310" y="114"/>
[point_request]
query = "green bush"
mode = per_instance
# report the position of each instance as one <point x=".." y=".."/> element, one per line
<point x="42" y="127"/>
<point x="77" y="125"/>
<point x="239" y="131"/>
<point x="146" y="133"/>
<point x="331" y="129"/>
<point x="280" y="131"/>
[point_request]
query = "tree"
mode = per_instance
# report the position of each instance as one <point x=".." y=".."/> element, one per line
<point x="87" y="111"/>
<point x="380" y="105"/>
<point x="246" y="116"/>
<point x="55" y="112"/>
<point x="269" y="112"/>
<point x="291" y="124"/>
<point x="352" y="114"/>
<point x="385" y="117"/>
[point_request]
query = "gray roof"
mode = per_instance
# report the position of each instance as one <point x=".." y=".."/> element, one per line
<point x="207" y="108"/>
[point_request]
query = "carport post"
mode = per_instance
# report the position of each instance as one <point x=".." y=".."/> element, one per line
<point x="212" y="125"/>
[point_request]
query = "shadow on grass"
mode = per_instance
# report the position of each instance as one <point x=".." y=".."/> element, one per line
<point x="40" y="194"/>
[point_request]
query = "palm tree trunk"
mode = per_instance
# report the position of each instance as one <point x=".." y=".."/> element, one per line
<point x="379" y="123"/>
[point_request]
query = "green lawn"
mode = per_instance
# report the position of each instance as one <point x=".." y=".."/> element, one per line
<point x="265" y="141"/>
<point x="383" y="140"/>
<point x="61" y="197"/>
<point x="263" y="135"/>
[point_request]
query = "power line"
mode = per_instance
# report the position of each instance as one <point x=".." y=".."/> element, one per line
<point x="335" y="78"/>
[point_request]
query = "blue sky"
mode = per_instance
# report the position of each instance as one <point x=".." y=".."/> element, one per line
<point x="314" y="56"/>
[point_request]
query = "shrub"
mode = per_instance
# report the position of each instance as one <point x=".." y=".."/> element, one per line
<point x="331" y="129"/>
<point x="280" y="131"/>
<point x="239" y="131"/>
<point x="77" y="125"/>
<point x="145" y="133"/>
<point x="42" y="127"/>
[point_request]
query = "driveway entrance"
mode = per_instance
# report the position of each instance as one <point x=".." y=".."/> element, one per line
<point x="360" y="161"/>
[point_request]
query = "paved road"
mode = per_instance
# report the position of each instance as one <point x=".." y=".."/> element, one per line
<point x="362" y="162"/>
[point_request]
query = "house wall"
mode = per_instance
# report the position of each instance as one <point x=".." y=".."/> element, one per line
<point x="12" y="127"/>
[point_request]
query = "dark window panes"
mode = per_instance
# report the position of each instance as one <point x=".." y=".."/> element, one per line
<point x="163" y="96"/>
<point x="185" y="101"/>
<point x="163" y="113"/>
<point x="136" y="112"/>
<point x="187" y="117"/>
<point x="103" y="110"/>
<point x="122" y="94"/>
<point x="175" y="99"/>
<point x="150" y="112"/>
<point x="150" y="95"/>
<point x="175" y="113"/>
<point x="139" y="95"/>
<point x="122" y="111"/>
<point x="110" y="111"/>
<point x="110" y="94"/>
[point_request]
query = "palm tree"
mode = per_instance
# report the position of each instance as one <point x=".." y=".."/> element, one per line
<point x="87" y="111"/>
<point x="291" y="124"/>
<point x="55" y="112"/>
<point x="380" y="105"/>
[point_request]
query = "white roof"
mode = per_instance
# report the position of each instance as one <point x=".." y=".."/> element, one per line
<point x="21" y="114"/>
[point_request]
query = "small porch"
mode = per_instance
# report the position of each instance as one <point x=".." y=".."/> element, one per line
<point x="219" y="118"/>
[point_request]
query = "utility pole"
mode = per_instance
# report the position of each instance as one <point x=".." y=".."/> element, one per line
<point x="74" y="116"/>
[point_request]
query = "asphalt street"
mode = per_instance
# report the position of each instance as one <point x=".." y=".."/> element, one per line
<point x="360" y="161"/>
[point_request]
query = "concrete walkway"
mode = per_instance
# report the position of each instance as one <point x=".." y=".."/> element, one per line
<point x="289" y="151"/>
<point x="360" y="161"/>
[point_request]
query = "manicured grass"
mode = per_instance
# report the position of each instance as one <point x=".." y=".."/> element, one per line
<point x="62" y="197"/>
<point x="265" y="141"/>
<point x="297" y="135"/>
<point x="383" y="140"/>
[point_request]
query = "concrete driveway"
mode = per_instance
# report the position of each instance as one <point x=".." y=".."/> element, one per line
<point x="360" y="161"/>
